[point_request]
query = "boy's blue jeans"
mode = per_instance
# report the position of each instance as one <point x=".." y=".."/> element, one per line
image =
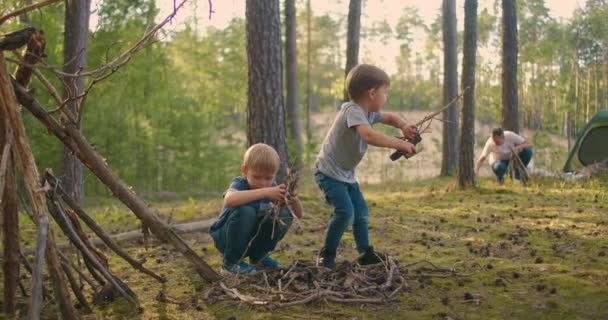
<point x="243" y="222"/>
<point x="349" y="208"/>
<point x="500" y="167"/>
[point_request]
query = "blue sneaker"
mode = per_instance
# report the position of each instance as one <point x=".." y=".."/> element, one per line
<point x="239" y="268"/>
<point x="268" y="262"/>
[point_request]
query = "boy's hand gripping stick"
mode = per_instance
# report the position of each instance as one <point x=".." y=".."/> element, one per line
<point x="417" y="138"/>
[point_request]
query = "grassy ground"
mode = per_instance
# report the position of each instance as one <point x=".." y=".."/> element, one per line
<point x="538" y="252"/>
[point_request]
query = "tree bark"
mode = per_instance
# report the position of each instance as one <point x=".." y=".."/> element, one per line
<point x="291" y="52"/>
<point x="266" y="112"/>
<point x="308" y="70"/>
<point x="72" y="138"/>
<point x="510" y="103"/>
<point x="588" y="95"/>
<point x="9" y="218"/>
<point x="352" y="38"/>
<point x="75" y="58"/>
<point x="450" y="89"/>
<point x="466" y="172"/>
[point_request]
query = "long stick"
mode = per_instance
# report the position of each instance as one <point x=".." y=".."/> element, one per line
<point x="56" y="186"/>
<point x="68" y="262"/>
<point x="36" y="297"/>
<point x="76" y="289"/>
<point x="434" y="114"/>
<point x="398" y="154"/>
<point x="68" y="229"/>
<point x="3" y="163"/>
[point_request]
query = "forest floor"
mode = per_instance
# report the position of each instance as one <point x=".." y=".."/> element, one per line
<point x="537" y="252"/>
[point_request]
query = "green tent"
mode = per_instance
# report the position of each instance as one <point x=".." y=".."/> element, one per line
<point x="591" y="144"/>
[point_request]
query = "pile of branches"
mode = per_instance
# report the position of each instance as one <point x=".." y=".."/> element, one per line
<point x="304" y="282"/>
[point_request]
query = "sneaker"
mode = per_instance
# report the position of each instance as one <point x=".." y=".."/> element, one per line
<point x="239" y="268"/>
<point x="267" y="262"/>
<point x="326" y="260"/>
<point x="369" y="257"/>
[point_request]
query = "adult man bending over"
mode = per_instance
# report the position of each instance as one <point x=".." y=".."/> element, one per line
<point x="499" y="147"/>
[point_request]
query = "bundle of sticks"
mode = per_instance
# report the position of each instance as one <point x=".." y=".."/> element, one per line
<point x="517" y="169"/>
<point x="423" y="126"/>
<point x="303" y="282"/>
<point x="274" y="211"/>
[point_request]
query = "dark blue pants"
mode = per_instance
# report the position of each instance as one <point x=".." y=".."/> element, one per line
<point x="243" y="222"/>
<point x="349" y="208"/>
<point x="500" y="167"/>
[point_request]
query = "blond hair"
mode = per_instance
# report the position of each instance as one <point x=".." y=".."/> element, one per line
<point x="262" y="157"/>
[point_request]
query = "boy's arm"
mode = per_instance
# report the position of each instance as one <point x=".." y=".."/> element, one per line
<point x="378" y="139"/>
<point x="235" y="198"/>
<point x="395" y="120"/>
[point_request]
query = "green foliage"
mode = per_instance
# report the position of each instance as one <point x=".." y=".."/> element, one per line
<point x="174" y="117"/>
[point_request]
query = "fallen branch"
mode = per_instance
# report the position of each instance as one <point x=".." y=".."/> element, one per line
<point x="103" y="236"/>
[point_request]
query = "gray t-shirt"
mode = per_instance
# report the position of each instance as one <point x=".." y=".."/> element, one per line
<point x="343" y="148"/>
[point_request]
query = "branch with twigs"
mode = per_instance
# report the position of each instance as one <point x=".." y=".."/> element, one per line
<point x="99" y="74"/>
<point x="428" y="120"/>
<point x="26" y="9"/>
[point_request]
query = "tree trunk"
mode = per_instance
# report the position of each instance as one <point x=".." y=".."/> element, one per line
<point x="576" y="95"/>
<point x="466" y="170"/>
<point x="308" y="70"/>
<point x="510" y="104"/>
<point x="9" y="218"/>
<point x="291" y="53"/>
<point x="266" y="112"/>
<point x="606" y="80"/>
<point x="588" y="95"/>
<point x="75" y="58"/>
<point x="450" y="89"/>
<point x="597" y="85"/>
<point x="352" y="38"/>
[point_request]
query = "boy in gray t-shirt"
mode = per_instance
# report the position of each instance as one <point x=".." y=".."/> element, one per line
<point x="342" y="150"/>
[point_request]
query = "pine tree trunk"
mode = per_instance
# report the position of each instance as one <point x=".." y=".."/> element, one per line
<point x="352" y="38"/>
<point x="606" y="80"/>
<point x="450" y="89"/>
<point x="466" y="170"/>
<point x="588" y="95"/>
<point x="266" y="112"/>
<point x="291" y="53"/>
<point x="597" y="85"/>
<point x="510" y="103"/>
<point x="75" y="57"/>
<point x="308" y="70"/>
<point x="576" y="95"/>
